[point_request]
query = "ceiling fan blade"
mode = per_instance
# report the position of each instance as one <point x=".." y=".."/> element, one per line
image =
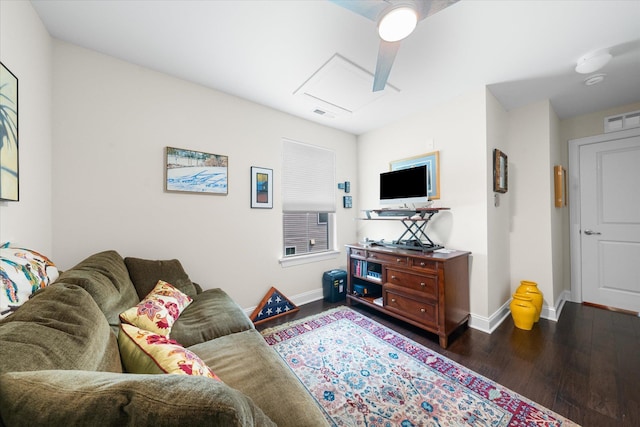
<point x="430" y="7"/>
<point x="367" y="8"/>
<point x="386" y="55"/>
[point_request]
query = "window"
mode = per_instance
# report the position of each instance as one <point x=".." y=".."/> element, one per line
<point x="308" y="199"/>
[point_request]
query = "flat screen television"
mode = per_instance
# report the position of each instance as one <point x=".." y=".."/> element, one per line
<point x="404" y="186"/>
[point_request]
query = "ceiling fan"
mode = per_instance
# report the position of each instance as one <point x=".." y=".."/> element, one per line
<point x="396" y="19"/>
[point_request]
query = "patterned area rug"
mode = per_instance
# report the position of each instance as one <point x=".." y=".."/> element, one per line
<point x="364" y="374"/>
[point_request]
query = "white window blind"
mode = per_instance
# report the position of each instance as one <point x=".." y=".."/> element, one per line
<point x="308" y="178"/>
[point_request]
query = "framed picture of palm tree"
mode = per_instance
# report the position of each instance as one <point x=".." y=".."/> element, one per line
<point x="8" y="135"/>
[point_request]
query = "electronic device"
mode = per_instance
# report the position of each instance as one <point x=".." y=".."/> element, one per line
<point x="404" y="186"/>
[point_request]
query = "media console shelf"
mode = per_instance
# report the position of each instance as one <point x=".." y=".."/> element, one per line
<point x="415" y="222"/>
<point x="428" y="290"/>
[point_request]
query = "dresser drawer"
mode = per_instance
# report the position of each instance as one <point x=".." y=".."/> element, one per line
<point x="389" y="258"/>
<point x="360" y="253"/>
<point x="426" y="265"/>
<point x="427" y="285"/>
<point x="425" y="312"/>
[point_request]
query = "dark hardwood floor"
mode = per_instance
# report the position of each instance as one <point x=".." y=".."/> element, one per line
<point x="585" y="367"/>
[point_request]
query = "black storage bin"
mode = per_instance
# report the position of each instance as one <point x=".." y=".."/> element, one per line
<point x="334" y="285"/>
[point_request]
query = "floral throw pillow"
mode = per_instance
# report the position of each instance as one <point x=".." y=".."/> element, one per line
<point x="144" y="352"/>
<point x="22" y="272"/>
<point x="159" y="310"/>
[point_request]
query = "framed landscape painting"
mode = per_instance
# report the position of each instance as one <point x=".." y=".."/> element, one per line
<point x="196" y="172"/>
<point x="9" y="178"/>
<point x="432" y="162"/>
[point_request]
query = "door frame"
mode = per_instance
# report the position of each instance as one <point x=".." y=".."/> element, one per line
<point x="574" y="202"/>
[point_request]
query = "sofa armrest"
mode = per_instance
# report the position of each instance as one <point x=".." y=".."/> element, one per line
<point x="60" y="398"/>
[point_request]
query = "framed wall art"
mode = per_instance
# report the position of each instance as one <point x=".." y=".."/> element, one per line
<point x="432" y="161"/>
<point x="196" y="172"/>
<point x="261" y="188"/>
<point x="9" y="177"/>
<point x="560" y="186"/>
<point x="500" y="172"/>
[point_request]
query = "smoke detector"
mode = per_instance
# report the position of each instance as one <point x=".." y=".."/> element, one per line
<point x="593" y="62"/>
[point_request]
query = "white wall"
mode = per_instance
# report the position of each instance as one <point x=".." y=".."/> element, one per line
<point x="25" y="49"/>
<point x="112" y="122"/>
<point x="530" y="176"/>
<point x="498" y="217"/>
<point x="458" y="131"/>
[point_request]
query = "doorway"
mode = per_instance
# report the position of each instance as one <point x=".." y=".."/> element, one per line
<point x="604" y="196"/>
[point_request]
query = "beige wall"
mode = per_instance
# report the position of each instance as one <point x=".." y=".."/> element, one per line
<point x="498" y="210"/>
<point x="457" y="130"/>
<point x="530" y="177"/>
<point x="112" y="122"/>
<point x="25" y="49"/>
<point x="590" y="124"/>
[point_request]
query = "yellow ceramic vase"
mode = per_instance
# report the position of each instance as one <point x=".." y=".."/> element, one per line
<point x="531" y="289"/>
<point x="523" y="311"/>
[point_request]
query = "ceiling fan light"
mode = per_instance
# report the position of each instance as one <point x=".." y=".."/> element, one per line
<point x="590" y="63"/>
<point x="397" y="24"/>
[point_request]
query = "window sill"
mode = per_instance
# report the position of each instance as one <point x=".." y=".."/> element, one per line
<point x="308" y="258"/>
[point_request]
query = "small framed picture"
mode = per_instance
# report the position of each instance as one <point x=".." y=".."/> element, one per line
<point x="500" y="172"/>
<point x="261" y="188"/>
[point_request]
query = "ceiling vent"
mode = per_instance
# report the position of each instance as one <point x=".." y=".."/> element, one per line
<point x="340" y="88"/>
<point x="622" y="121"/>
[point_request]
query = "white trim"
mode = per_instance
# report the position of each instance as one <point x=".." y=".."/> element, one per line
<point x="490" y="324"/>
<point x="553" y="314"/>
<point x="308" y="258"/>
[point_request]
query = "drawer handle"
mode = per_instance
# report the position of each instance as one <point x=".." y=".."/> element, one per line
<point x="422" y="310"/>
<point x="398" y="259"/>
<point x="422" y="264"/>
<point x="372" y="256"/>
<point x="393" y="277"/>
<point x="422" y="284"/>
<point x="393" y="300"/>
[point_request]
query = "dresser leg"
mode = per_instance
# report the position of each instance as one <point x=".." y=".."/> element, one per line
<point x="443" y="341"/>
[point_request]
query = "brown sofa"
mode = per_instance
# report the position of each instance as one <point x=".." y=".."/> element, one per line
<point x="60" y="362"/>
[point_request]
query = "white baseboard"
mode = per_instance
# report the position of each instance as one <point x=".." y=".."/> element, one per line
<point x="481" y="323"/>
<point x="489" y="324"/>
<point x="300" y="299"/>
<point x="554" y="313"/>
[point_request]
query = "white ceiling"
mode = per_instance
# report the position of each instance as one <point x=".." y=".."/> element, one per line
<point x="263" y="51"/>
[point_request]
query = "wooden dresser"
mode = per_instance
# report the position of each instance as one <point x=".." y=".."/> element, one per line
<point x="429" y="290"/>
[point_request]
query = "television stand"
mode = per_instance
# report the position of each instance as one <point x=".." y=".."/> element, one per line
<point x="415" y="222"/>
<point x="427" y="290"/>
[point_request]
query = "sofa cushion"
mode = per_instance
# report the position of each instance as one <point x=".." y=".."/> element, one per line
<point x="159" y="310"/>
<point x="143" y="352"/>
<point x="81" y="398"/>
<point x="212" y="314"/>
<point x="105" y="276"/>
<point x="60" y="327"/>
<point x="145" y="273"/>
<point x="22" y="272"/>
<point x="245" y="362"/>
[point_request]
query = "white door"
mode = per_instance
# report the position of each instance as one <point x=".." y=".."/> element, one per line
<point x="610" y="222"/>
